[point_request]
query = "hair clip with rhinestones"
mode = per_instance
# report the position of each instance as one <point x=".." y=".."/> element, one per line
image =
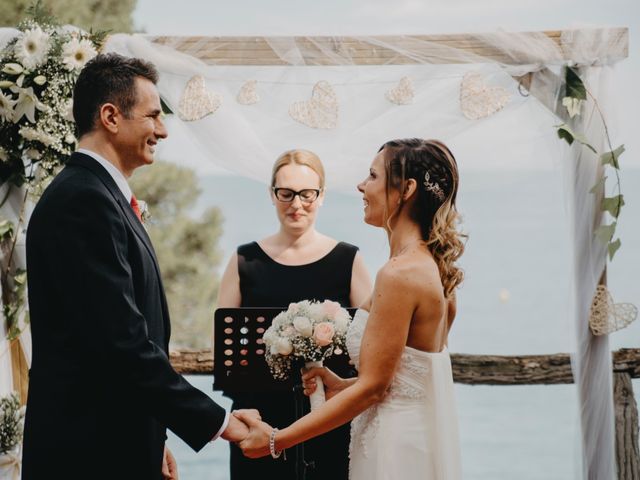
<point x="433" y="187"/>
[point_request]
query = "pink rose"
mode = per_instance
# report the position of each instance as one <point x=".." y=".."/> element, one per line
<point x="331" y="309"/>
<point x="323" y="334"/>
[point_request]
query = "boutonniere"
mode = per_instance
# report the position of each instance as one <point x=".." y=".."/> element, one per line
<point x="145" y="214"/>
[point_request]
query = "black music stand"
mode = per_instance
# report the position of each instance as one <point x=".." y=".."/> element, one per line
<point x="239" y="364"/>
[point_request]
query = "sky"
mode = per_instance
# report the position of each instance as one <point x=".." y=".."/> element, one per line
<point x="363" y="17"/>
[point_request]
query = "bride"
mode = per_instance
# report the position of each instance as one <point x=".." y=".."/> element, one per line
<point x="402" y="402"/>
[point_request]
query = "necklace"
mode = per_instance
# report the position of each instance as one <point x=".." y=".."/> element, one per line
<point x="406" y="247"/>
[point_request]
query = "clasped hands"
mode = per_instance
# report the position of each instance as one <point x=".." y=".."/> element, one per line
<point x="251" y="434"/>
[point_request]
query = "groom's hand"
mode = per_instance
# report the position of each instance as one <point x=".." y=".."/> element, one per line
<point x="256" y="444"/>
<point x="169" y="466"/>
<point x="236" y="430"/>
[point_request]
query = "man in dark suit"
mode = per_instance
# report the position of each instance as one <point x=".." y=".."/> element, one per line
<point x="102" y="391"/>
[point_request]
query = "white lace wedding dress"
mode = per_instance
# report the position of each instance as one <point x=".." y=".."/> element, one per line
<point x="413" y="433"/>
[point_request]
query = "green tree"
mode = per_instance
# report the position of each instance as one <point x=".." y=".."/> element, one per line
<point x="187" y="249"/>
<point x="113" y="15"/>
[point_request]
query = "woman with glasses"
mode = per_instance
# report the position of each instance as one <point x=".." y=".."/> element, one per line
<point x="296" y="263"/>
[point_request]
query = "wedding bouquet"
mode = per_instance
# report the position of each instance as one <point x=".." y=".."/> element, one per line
<point x="309" y="332"/>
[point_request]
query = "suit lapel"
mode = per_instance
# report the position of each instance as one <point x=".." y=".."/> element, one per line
<point x="85" y="161"/>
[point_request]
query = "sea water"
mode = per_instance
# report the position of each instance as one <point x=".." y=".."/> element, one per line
<point x="514" y="301"/>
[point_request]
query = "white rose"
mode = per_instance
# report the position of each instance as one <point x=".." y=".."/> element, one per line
<point x="316" y="311"/>
<point x="70" y="139"/>
<point x="342" y="322"/>
<point x="269" y="337"/>
<point x="283" y="346"/>
<point x="40" y="80"/>
<point x="303" y="325"/>
<point x="278" y="320"/>
<point x="288" y="331"/>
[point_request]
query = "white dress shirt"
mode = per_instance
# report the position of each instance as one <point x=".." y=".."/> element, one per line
<point x="123" y="185"/>
<point x="116" y="174"/>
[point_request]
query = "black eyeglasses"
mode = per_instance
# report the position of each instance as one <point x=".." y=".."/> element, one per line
<point x="308" y="195"/>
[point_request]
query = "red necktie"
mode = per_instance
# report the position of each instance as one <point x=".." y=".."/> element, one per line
<point x="136" y="207"/>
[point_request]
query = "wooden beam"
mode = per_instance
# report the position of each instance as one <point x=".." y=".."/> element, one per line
<point x="626" y="414"/>
<point x="381" y="50"/>
<point x="468" y="369"/>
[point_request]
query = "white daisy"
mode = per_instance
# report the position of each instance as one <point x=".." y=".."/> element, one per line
<point x="32" y="48"/>
<point x="76" y="53"/>
<point x="6" y="107"/>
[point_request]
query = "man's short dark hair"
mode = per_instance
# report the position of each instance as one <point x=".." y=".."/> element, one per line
<point x="108" y="78"/>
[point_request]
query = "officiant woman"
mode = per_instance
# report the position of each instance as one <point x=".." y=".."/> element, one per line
<point x="295" y="263"/>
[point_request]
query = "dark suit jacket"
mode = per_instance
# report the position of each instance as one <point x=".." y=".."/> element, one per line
<point x="102" y="390"/>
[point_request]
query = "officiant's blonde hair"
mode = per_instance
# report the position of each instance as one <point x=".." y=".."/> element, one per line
<point x="299" y="157"/>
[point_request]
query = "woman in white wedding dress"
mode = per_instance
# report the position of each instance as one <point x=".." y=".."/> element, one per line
<point x="402" y="402"/>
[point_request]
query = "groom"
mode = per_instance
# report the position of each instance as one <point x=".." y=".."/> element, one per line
<point x="102" y="391"/>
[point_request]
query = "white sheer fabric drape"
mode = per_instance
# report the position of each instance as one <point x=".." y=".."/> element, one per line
<point x="592" y="364"/>
<point x="245" y="139"/>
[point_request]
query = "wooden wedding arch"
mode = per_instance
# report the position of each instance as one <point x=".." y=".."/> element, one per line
<point x="388" y="50"/>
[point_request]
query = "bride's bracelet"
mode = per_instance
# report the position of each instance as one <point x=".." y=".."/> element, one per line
<point x="272" y="444"/>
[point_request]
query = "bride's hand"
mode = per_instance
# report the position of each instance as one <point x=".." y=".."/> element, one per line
<point x="256" y="443"/>
<point x="332" y="382"/>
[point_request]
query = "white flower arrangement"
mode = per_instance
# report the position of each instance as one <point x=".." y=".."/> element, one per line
<point x="38" y="70"/>
<point x="11" y="423"/>
<point x="307" y="332"/>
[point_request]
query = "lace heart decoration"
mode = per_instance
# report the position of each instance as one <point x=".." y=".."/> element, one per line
<point x="196" y="101"/>
<point x="321" y="111"/>
<point x="477" y="100"/>
<point x="401" y="94"/>
<point x="607" y="317"/>
<point x="248" y="95"/>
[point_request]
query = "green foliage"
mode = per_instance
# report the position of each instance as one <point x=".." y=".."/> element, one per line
<point x="575" y="93"/>
<point x="186" y="249"/>
<point x="605" y="232"/>
<point x="114" y="15"/>
<point x="6" y="229"/>
<point x="613" y="205"/>
<point x="574" y="87"/>
<point x="13" y="283"/>
<point x="613" y="247"/>
<point x="611" y="158"/>
<point x="566" y="133"/>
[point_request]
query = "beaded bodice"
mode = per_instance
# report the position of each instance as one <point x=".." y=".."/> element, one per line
<point x="412" y="382"/>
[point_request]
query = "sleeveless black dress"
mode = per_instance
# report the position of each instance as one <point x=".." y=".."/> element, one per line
<point x="267" y="283"/>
